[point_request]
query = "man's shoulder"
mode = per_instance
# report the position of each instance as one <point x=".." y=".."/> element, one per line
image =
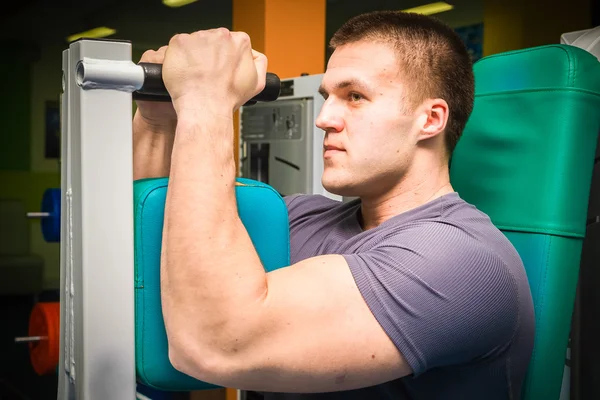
<point x="459" y="244"/>
<point x="451" y="231"/>
<point x="480" y="232"/>
<point x="448" y="218"/>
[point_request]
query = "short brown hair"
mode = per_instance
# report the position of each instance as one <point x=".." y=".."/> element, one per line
<point x="434" y="59"/>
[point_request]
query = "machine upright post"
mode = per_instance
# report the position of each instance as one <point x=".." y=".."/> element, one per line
<point x="97" y="342"/>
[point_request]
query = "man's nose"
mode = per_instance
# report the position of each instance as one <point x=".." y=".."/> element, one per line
<point x="330" y="117"/>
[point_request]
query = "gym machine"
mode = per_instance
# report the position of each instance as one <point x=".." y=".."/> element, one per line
<point x="88" y="338"/>
<point x="279" y="142"/>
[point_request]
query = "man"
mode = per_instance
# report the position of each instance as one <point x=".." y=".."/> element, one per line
<point x="407" y="292"/>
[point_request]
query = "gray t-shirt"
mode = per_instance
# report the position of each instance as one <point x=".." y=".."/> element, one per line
<point x="444" y="283"/>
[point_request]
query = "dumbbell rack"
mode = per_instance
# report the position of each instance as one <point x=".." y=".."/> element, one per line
<point x="97" y="343"/>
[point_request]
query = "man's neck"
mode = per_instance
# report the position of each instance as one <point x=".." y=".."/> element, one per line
<point x="417" y="188"/>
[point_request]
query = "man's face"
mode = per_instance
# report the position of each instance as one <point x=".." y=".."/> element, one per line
<point x="369" y="137"/>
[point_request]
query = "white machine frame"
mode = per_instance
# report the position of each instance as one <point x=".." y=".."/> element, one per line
<point x="97" y="337"/>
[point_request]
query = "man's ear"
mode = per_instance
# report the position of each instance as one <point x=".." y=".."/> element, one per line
<point x="436" y="113"/>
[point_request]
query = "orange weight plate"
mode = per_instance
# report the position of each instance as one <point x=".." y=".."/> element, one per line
<point x="44" y="321"/>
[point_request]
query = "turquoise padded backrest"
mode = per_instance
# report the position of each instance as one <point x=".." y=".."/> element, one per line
<point x="526" y="159"/>
<point x="263" y="213"/>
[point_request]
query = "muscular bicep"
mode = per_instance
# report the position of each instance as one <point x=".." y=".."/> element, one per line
<point x="340" y="322"/>
<point x="317" y="334"/>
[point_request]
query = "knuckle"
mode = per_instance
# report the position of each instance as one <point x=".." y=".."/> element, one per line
<point x="222" y="32"/>
<point x="178" y="39"/>
<point x="243" y="37"/>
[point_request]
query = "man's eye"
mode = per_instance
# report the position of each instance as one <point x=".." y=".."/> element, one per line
<point x="355" y="97"/>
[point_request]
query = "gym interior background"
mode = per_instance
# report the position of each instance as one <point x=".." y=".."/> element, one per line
<point x="34" y="33"/>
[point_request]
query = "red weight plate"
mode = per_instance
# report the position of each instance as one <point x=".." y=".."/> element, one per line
<point x="44" y="321"/>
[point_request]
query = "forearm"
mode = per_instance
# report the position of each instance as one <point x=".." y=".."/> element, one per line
<point x="152" y="147"/>
<point x="211" y="274"/>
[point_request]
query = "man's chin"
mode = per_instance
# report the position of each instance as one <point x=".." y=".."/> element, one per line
<point x="339" y="188"/>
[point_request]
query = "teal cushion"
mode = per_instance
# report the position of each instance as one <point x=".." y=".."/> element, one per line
<point x="526" y="159"/>
<point x="263" y="213"/>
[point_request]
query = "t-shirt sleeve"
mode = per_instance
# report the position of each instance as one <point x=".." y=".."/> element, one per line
<point x="441" y="296"/>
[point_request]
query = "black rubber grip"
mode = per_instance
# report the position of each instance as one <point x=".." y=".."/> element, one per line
<point x="154" y="89"/>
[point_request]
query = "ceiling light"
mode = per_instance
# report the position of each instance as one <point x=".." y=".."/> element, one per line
<point x="432" y="8"/>
<point x="177" y="3"/>
<point x="99" y="32"/>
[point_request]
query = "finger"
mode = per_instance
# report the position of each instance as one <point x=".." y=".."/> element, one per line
<point x="147" y="55"/>
<point x="257" y="54"/>
<point x="160" y="53"/>
<point x="261" y="62"/>
<point x="152" y="56"/>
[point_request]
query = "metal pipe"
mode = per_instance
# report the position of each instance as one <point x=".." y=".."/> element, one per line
<point x="28" y="339"/>
<point x="38" y="214"/>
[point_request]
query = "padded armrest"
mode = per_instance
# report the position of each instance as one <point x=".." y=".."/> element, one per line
<point x="263" y="213"/>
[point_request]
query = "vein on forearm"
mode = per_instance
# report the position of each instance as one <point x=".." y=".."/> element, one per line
<point x="152" y="149"/>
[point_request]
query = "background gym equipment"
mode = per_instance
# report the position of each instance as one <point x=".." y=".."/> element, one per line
<point x="279" y="142"/>
<point x="581" y="368"/>
<point x="49" y="215"/>
<point x="526" y="159"/>
<point x="43" y="337"/>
